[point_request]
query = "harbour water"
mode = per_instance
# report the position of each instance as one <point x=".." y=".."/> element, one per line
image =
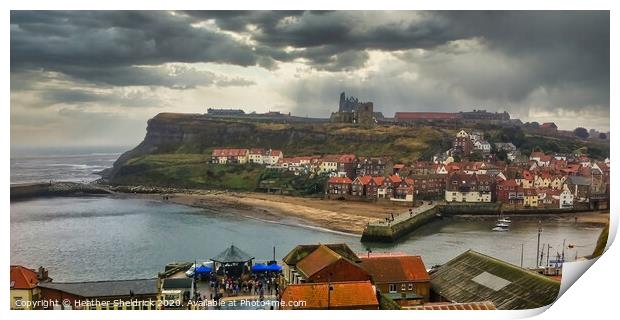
<point x="96" y="238"/>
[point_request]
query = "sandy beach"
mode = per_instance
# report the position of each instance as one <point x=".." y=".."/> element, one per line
<point x="343" y="216"/>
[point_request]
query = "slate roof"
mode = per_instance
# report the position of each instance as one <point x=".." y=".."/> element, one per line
<point x="392" y="269"/>
<point x="105" y="288"/>
<point x="483" y="305"/>
<point x="579" y="180"/>
<point x="473" y="277"/>
<point x="177" y="283"/>
<point x="301" y="251"/>
<point x="232" y="255"/>
<point x="345" y="295"/>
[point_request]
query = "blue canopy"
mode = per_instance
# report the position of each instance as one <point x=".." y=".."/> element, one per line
<point x="263" y="267"/>
<point x="203" y="270"/>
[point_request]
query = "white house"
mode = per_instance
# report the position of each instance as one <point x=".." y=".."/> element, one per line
<point x="271" y="157"/>
<point x="566" y="199"/>
<point x="462" y="134"/>
<point x="256" y="155"/>
<point x="482" y="145"/>
<point x="328" y="164"/>
<point x="471" y="196"/>
<point x="476" y="136"/>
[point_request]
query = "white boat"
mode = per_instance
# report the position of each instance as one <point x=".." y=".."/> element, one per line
<point x="504" y="220"/>
<point x="501" y="224"/>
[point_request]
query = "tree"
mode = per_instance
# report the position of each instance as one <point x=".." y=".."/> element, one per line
<point x="501" y="155"/>
<point x="581" y="133"/>
<point x="476" y="156"/>
<point x="602" y="136"/>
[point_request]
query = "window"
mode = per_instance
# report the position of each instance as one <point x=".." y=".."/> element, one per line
<point x="403" y="287"/>
<point x="392" y="287"/>
<point x="410" y="286"/>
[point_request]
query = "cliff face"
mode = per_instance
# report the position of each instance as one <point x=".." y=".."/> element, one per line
<point x="198" y="134"/>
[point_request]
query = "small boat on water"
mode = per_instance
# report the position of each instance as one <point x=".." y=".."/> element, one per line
<point x="501" y="226"/>
<point x="505" y="220"/>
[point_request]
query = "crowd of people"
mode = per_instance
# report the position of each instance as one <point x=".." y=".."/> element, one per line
<point x="247" y="284"/>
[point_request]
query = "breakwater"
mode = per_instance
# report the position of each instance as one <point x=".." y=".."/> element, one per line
<point x="53" y="189"/>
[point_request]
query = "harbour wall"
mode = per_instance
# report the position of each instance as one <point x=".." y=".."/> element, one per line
<point x="383" y="232"/>
<point x="393" y="231"/>
<point x="53" y="189"/>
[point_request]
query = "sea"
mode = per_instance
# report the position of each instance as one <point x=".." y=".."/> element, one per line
<point x="102" y="238"/>
<point x="77" y="164"/>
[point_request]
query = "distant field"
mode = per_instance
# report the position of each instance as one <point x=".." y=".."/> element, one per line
<point x="187" y="170"/>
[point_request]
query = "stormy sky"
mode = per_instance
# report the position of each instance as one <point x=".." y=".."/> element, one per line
<point x="95" y="77"/>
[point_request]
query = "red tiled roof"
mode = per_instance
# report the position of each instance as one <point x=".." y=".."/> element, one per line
<point x="483" y="305"/>
<point x="228" y="152"/>
<point x="331" y="158"/>
<point x="257" y="151"/>
<point x="339" y="180"/>
<point x="379" y="180"/>
<point x="347" y="158"/>
<point x="426" y="116"/>
<point x="23" y="278"/>
<point x="399" y="166"/>
<point x="395" y="268"/>
<point x="548" y="125"/>
<point x="364" y="180"/>
<point x="344" y="295"/>
<point x="394" y="178"/>
<point x="317" y="260"/>
<point x="275" y="153"/>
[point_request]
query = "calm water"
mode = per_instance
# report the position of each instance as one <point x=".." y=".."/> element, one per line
<point x="106" y="238"/>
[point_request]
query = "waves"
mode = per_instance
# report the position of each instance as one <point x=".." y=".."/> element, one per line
<point x="55" y="166"/>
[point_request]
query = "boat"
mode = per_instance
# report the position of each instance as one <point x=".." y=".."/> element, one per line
<point x="501" y="226"/>
<point x="505" y="220"/>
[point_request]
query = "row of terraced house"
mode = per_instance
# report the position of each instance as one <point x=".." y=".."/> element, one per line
<point x="540" y="180"/>
<point x="549" y="181"/>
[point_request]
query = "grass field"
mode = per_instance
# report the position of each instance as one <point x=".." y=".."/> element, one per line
<point x="187" y="170"/>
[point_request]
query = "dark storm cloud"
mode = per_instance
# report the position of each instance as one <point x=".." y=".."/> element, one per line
<point x="70" y="42"/>
<point x="84" y="43"/>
